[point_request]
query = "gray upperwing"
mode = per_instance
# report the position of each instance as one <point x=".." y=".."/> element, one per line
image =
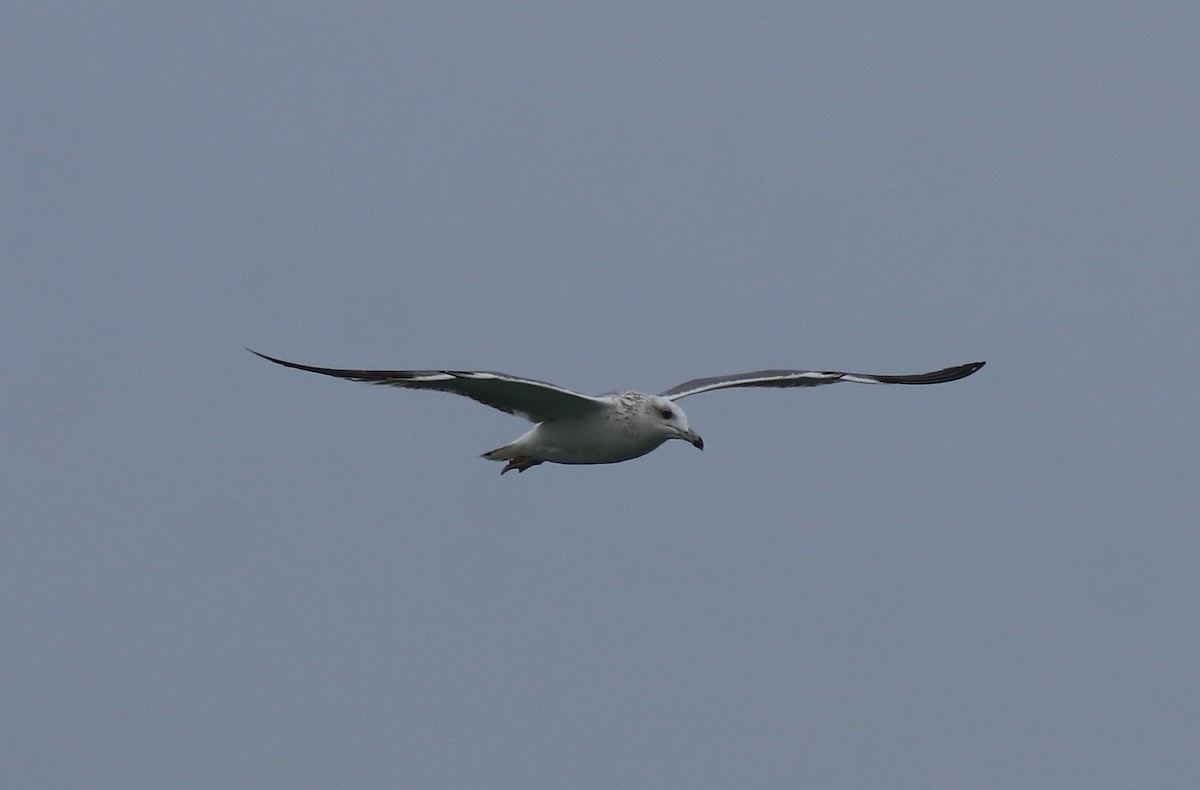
<point x="534" y="400"/>
<point x="814" y="378"/>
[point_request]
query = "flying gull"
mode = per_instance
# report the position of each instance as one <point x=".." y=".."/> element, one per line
<point x="572" y="428"/>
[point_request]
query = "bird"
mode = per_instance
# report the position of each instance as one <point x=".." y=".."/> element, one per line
<point x="573" y="428"/>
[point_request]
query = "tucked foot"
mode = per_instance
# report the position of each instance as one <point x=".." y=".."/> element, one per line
<point x="520" y="463"/>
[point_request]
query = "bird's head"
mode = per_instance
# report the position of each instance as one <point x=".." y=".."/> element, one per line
<point x="672" y="423"/>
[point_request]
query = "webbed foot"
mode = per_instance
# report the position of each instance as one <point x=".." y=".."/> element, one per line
<point x="520" y="463"/>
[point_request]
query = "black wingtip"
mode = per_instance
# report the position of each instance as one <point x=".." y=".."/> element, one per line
<point x="960" y="371"/>
<point x="934" y="377"/>
<point x="269" y="359"/>
<point x="286" y="364"/>
<point x="953" y="373"/>
<point x="371" y="376"/>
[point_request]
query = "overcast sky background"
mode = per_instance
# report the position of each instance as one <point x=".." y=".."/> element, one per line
<point x="221" y="573"/>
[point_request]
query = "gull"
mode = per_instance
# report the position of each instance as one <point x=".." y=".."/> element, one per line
<point x="573" y="428"/>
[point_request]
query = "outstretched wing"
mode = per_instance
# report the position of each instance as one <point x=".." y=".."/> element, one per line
<point x="813" y="378"/>
<point x="534" y="400"/>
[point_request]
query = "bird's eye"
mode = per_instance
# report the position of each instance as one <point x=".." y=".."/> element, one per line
<point x="666" y="414"/>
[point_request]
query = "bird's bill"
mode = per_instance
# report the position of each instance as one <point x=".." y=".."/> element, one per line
<point x="693" y="438"/>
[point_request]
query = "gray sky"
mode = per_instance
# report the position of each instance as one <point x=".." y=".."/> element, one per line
<point x="220" y="573"/>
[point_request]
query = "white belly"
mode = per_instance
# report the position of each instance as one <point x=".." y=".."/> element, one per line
<point x="584" y="440"/>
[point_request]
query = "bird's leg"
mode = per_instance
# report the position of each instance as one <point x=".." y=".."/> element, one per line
<point x="520" y="463"/>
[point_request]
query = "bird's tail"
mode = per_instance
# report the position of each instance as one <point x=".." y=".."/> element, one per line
<point x="505" y="453"/>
